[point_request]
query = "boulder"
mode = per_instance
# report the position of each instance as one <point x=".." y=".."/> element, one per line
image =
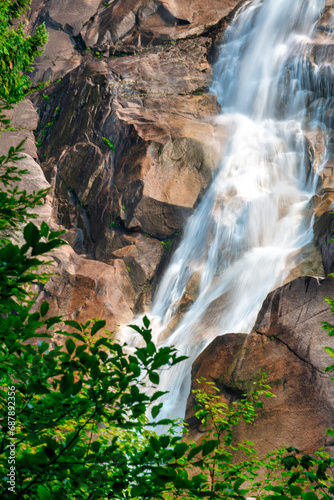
<point x="59" y="57"/>
<point x="141" y="254"/>
<point x="82" y="289"/>
<point x="287" y="343"/>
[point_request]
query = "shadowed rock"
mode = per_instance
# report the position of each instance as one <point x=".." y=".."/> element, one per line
<point x="288" y="344"/>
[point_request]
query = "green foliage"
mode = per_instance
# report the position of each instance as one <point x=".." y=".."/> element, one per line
<point x="80" y="411"/>
<point x="108" y="143"/>
<point x="330" y="331"/>
<point x="17" y="50"/>
<point x="283" y="474"/>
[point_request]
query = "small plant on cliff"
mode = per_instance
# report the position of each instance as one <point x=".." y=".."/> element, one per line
<point x="108" y="143"/>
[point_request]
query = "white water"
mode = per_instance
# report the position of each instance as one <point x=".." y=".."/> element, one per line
<point x="244" y="236"/>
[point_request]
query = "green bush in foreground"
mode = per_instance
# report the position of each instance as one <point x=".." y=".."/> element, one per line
<point x="17" y="50"/>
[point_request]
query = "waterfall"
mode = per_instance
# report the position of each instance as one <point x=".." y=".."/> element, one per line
<point x="244" y="237"/>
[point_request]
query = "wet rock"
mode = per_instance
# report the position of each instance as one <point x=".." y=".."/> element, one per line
<point x="309" y="263"/>
<point x="287" y="343"/>
<point x="323" y="233"/>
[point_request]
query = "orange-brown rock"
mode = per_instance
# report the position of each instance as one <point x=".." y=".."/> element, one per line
<point x="141" y="254"/>
<point x="83" y="289"/>
<point x="288" y="344"/>
<point x="118" y="27"/>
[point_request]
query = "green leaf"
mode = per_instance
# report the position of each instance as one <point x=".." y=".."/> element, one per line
<point x="97" y="326"/>
<point x="76" y="388"/>
<point x="289" y="462"/>
<point x="70" y="346"/>
<point x="43" y="348"/>
<point x="44" y="308"/>
<point x="66" y="382"/>
<point x="209" y="446"/>
<point x="155" y="444"/>
<point x="38" y="389"/>
<point x="295" y="490"/>
<point x="156" y="410"/>
<point x="160" y="361"/>
<point x="291" y="449"/>
<point x="44" y="229"/>
<point x="151" y="349"/>
<point x="158" y="395"/>
<point x="154" y="378"/>
<point x="164" y="441"/>
<point x="146" y="322"/>
<point x="96" y="445"/>
<point x="31" y="234"/>
<point x="95" y="372"/>
<point x="238" y="483"/>
<point x="73" y="324"/>
<point x="294" y="477"/>
<point x="179" y="450"/>
<point x="310" y="495"/>
<point x="43" y="493"/>
<point x="194" y="451"/>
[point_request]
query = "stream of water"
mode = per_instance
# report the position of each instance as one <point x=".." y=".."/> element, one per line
<point x="244" y="237"/>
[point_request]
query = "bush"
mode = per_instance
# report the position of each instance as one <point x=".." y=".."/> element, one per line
<point x="17" y="50"/>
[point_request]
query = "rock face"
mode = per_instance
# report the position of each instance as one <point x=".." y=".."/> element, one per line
<point x="288" y="344"/>
<point x="119" y="27"/>
<point x="112" y="143"/>
<point x="24" y="120"/>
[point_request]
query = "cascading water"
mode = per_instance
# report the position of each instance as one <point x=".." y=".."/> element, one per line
<point x="244" y="237"/>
